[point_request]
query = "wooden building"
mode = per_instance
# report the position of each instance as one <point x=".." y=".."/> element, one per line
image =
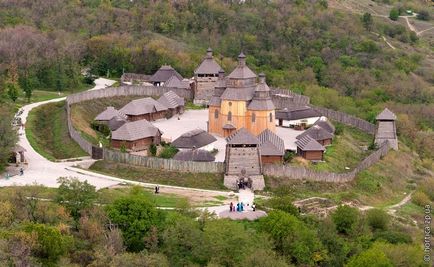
<point x="136" y="136"/>
<point x="108" y="114"/>
<point x="271" y="147"/>
<point x="163" y="74"/>
<point x="297" y="117"/>
<point x="324" y="123"/>
<point x="195" y="139"/>
<point x="144" y="109"/>
<point x="242" y="153"/>
<point x="205" y="78"/>
<point x="319" y="134"/>
<point x="386" y="129"/>
<point x="310" y="149"/>
<point x="198" y="155"/>
<point x="173" y="102"/>
<point x="239" y="102"/>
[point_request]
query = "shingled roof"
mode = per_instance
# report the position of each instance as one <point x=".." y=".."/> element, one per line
<point x="194" y="155"/>
<point x="171" y="100"/>
<point x="135" y="130"/>
<point x="194" y="139"/>
<point x="107" y="114"/>
<point x="325" y="124"/>
<point x="261" y="99"/>
<point x="296" y="113"/>
<point x="386" y="115"/>
<point x="164" y="73"/>
<point x="242" y="71"/>
<point x="208" y="65"/>
<point x="142" y="106"/>
<point x="242" y="137"/>
<point x="116" y="122"/>
<point x="316" y="132"/>
<point x="245" y="93"/>
<point x="175" y="82"/>
<point x="306" y="143"/>
<point x="271" y="144"/>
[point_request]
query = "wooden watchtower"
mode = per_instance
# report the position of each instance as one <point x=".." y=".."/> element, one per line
<point x="386" y="129"/>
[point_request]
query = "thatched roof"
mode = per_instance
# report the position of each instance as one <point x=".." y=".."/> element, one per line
<point x="142" y="106"/>
<point x="164" y="73"/>
<point x="307" y="143"/>
<point x="194" y="139"/>
<point x="271" y="144"/>
<point x="194" y="155"/>
<point x="135" y="130"/>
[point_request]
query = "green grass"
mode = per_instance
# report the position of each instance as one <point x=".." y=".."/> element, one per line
<point x="37" y="191"/>
<point x="136" y="173"/>
<point x="47" y="132"/>
<point x="190" y="105"/>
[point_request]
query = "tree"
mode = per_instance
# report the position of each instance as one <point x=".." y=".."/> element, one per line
<point x="12" y="88"/>
<point x="372" y="257"/>
<point x="345" y="219"/>
<point x="377" y="219"/>
<point x="75" y="195"/>
<point x="135" y="215"/>
<point x="283" y="203"/>
<point x="394" y="14"/>
<point x="8" y="137"/>
<point x="50" y="243"/>
<point x="367" y="21"/>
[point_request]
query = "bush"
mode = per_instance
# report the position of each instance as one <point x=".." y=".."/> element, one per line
<point x="420" y="198"/>
<point x="153" y="150"/>
<point x="339" y="129"/>
<point x="345" y="219"/>
<point x="423" y="15"/>
<point x="394" y="14"/>
<point x="100" y="127"/>
<point x="289" y="155"/>
<point x="283" y="203"/>
<point x="377" y="219"/>
<point x="168" y="152"/>
<point x="393" y="237"/>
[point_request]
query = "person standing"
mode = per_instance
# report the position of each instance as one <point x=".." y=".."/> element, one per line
<point x="231" y="207"/>
<point x="21" y="171"/>
<point x="254" y="207"/>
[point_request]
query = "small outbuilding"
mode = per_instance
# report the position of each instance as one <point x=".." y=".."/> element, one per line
<point x="271" y="147"/>
<point x="163" y="74"/>
<point x="195" y="139"/>
<point x="319" y="134"/>
<point x="173" y="102"/>
<point x="144" y="109"/>
<point x="175" y="82"/>
<point x="297" y="117"/>
<point x="108" y="114"/>
<point x="136" y="136"/>
<point x="310" y="149"/>
<point x="325" y="124"/>
<point x="116" y="122"/>
<point x="17" y="155"/>
<point x="198" y="155"/>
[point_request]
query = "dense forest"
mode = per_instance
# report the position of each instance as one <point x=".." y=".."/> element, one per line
<point x="75" y="226"/>
<point x="333" y="56"/>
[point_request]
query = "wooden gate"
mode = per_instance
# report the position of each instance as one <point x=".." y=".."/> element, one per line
<point x="97" y="152"/>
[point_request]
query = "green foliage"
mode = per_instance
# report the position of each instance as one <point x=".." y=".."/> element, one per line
<point x="339" y="128"/>
<point x="345" y="219"/>
<point x="153" y="150"/>
<point x="372" y="257"/>
<point x="100" y="127"/>
<point x="12" y="89"/>
<point x="394" y="14"/>
<point x="283" y="203"/>
<point x="289" y="155"/>
<point x="393" y="237"/>
<point x="75" y="195"/>
<point x="367" y="21"/>
<point x="168" y="151"/>
<point x="423" y="15"/>
<point x="420" y="198"/>
<point x="292" y="238"/>
<point x="51" y="244"/>
<point x="377" y="219"/>
<point x="123" y="147"/>
<point x="135" y="215"/>
<point x="8" y="137"/>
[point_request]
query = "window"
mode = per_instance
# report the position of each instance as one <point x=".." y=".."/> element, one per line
<point x="253" y="117"/>
<point x="216" y="114"/>
<point x="271" y="117"/>
<point x="230" y="116"/>
<point x="230" y="104"/>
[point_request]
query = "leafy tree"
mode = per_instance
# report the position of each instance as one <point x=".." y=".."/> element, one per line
<point x="283" y="203"/>
<point x="377" y="219"/>
<point x="345" y="219"/>
<point x="292" y="238"/>
<point x="12" y="89"/>
<point x="372" y="257"/>
<point x="128" y="259"/>
<point x="135" y="215"/>
<point x="367" y="21"/>
<point x="50" y="243"/>
<point x="75" y="195"/>
<point x="8" y="137"/>
<point x="394" y="14"/>
<point x="262" y="257"/>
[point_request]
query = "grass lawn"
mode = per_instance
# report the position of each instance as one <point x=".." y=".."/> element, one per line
<point x="47" y="132"/>
<point x="37" y="191"/>
<point x="142" y="174"/>
<point x="346" y="151"/>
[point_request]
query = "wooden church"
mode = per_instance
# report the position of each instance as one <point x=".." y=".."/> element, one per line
<point x="239" y="101"/>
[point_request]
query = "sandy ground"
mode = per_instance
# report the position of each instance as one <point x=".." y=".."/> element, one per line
<point x="194" y="119"/>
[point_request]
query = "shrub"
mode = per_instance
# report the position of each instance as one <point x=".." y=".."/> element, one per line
<point x="168" y="152"/>
<point x="339" y="129"/>
<point x="423" y="15"/>
<point x="377" y="219"/>
<point x="393" y="237"/>
<point x="420" y="198"/>
<point x="394" y="14"/>
<point x="153" y="150"/>
<point x="283" y="203"/>
<point x="345" y="219"/>
<point x="289" y="155"/>
<point x="100" y="127"/>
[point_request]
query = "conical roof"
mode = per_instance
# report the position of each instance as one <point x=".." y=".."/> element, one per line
<point x="208" y="65"/>
<point x="242" y="71"/>
<point x="164" y="73"/>
<point x="386" y="115"/>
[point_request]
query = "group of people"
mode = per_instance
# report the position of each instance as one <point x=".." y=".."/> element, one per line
<point x="243" y="184"/>
<point x="239" y="207"/>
